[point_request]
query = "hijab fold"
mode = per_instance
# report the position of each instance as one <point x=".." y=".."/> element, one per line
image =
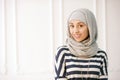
<point x="88" y="47"/>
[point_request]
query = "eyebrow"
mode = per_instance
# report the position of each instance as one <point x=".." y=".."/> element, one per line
<point x="80" y="22"/>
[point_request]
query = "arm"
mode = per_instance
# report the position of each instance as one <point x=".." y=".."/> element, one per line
<point x="104" y="66"/>
<point x="60" y="65"/>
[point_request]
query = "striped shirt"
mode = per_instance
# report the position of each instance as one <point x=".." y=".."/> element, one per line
<point x="70" y="67"/>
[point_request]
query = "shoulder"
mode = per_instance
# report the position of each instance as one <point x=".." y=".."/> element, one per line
<point x="62" y="48"/>
<point x="102" y="54"/>
<point x="61" y="51"/>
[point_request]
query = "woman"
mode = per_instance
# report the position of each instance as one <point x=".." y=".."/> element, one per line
<point x="81" y="59"/>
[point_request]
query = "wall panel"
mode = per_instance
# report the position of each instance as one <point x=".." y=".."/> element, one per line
<point x="2" y="39"/>
<point x="34" y="37"/>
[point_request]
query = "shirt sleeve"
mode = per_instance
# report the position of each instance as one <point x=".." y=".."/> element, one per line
<point x="104" y="68"/>
<point x="60" y="65"/>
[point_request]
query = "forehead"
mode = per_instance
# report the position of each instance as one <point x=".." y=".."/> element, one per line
<point x="76" y="22"/>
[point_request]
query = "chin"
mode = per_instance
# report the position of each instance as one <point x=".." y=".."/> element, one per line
<point x="78" y="40"/>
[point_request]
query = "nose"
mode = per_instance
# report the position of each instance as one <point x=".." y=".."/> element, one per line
<point x="76" y="30"/>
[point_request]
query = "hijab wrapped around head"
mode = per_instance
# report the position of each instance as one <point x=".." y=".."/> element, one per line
<point x="88" y="47"/>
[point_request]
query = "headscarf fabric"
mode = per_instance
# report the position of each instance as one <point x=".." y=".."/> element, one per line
<point x="86" y="48"/>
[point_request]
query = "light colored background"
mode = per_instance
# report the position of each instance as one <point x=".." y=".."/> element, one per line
<point x="31" y="30"/>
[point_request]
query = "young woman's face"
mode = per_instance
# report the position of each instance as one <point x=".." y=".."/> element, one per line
<point x="78" y="30"/>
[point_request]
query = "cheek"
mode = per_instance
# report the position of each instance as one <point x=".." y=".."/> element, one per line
<point x="70" y="32"/>
<point x="85" y="32"/>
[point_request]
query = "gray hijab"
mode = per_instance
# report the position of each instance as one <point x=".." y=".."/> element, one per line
<point x="88" y="47"/>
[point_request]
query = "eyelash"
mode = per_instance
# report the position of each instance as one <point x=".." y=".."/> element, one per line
<point x="79" y="26"/>
<point x="71" y="26"/>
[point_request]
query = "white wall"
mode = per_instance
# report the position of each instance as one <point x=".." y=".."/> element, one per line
<point x="26" y="40"/>
<point x="113" y="38"/>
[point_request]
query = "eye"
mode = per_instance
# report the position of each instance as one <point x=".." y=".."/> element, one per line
<point x="71" y="26"/>
<point x="81" y="25"/>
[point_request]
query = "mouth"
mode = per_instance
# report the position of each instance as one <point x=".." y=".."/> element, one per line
<point x="77" y="35"/>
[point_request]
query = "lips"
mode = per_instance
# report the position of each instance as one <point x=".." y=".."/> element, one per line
<point x="77" y="35"/>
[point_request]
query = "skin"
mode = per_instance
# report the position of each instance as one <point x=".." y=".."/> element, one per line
<point x="78" y="30"/>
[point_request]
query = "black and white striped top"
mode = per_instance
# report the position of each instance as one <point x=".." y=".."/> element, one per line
<point x="70" y="67"/>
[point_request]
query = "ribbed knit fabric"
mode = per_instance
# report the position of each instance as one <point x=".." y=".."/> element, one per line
<point x="70" y="67"/>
